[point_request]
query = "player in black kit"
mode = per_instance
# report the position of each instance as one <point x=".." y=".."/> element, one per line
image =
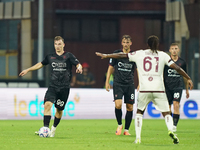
<point x="123" y="85"/>
<point x="174" y="83"/>
<point x="58" y="91"/>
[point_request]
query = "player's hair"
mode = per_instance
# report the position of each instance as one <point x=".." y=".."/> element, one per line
<point x="174" y="44"/>
<point x="58" y="38"/>
<point x="153" y="42"/>
<point x="127" y="37"/>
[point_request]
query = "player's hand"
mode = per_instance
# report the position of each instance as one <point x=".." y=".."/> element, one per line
<point x="190" y="83"/>
<point x="107" y="86"/>
<point x="103" y="56"/>
<point x="23" y="72"/>
<point x="187" y="94"/>
<point x="79" y="69"/>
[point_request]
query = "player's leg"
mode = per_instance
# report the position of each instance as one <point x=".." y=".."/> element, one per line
<point x="161" y="103"/>
<point x="57" y="119"/>
<point x="118" y="93"/>
<point x="48" y="102"/>
<point x="143" y="100"/>
<point x="129" y="99"/>
<point x="60" y="106"/>
<point x="138" y="125"/>
<point x="176" y="104"/>
<point x="118" y="115"/>
<point x="49" y="99"/>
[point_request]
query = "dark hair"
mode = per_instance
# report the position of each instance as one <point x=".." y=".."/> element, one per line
<point x="174" y="44"/>
<point x="126" y="37"/>
<point x="153" y="42"/>
<point x="58" y="38"/>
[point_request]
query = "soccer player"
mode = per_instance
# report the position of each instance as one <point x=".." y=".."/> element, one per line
<point x="123" y="85"/>
<point x="150" y="64"/>
<point x="58" y="91"/>
<point x="174" y="83"/>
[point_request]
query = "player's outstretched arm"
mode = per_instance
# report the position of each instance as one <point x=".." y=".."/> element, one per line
<point x="184" y="74"/>
<point x="114" y="55"/>
<point x="35" y="67"/>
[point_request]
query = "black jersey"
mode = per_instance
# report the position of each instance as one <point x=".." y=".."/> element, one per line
<point x="60" y="68"/>
<point x="124" y="70"/>
<point x="172" y="79"/>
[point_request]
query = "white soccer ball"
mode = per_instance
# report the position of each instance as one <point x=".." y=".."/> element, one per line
<point x="44" y="132"/>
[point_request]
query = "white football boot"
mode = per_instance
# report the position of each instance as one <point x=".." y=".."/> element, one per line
<point x="53" y="130"/>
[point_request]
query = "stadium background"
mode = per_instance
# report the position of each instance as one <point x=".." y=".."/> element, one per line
<point x="27" y="31"/>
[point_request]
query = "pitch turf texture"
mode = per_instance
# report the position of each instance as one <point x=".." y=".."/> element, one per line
<point x="97" y="135"/>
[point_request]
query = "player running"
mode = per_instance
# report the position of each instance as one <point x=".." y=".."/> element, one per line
<point x="123" y="85"/>
<point x="58" y="91"/>
<point x="150" y="64"/>
<point x="174" y="83"/>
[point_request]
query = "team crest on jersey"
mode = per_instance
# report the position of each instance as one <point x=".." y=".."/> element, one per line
<point x="115" y="95"/>
<point x="133" y="53"/>
<point x="150" y="78"/>
<point x="64" y="57"/>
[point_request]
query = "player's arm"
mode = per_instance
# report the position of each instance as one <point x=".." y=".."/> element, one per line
<point x="113" y="55"/>
<point x="79" y="68"/>
<point x="108" y="74"/>
<point x="35" y="67"/>
<point x="186" y="87"/>
<point x="183" y="73"/>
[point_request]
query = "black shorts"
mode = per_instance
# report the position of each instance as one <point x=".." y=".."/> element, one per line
<point x="174" y="95"/>
<point x="57" y="96"/>
<point x="127" y="91"/>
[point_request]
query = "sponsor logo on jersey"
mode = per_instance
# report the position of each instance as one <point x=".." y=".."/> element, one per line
<point x="54" y="64"/>
<point x="173" y="73"/>
<point x="124" y="65"/>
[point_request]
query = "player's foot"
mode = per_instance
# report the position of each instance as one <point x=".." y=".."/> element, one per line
<point x="174" y="137"/>
<point x="174" y="129"/>
<point x="53" y="130"/>
<point x="119" y="130"/>
<point x="126" y="133"/>
<point x="36" y="132"/>
<point x="137" y="141"/>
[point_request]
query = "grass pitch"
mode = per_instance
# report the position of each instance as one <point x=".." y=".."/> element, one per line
<point x="97" y="135"/>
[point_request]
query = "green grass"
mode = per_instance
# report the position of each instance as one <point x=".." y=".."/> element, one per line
<point x="97" y="135"/>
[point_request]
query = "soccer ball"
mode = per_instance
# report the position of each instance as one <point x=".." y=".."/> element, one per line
<point x="44" y="132"/>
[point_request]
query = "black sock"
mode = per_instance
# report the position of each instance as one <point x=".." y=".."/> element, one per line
<point x="176" y="119"/>
<point x="171" y="114"/>
<point x="56" y="121"/>
<point x="118" y="114"/>
<point x="128" y="119"/>
<point x="46" y="120"/>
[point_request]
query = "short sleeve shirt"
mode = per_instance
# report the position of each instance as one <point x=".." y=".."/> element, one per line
<point x="124" y="70"/>
<point x="150" y="67"/>
<point x="60" y="68"/>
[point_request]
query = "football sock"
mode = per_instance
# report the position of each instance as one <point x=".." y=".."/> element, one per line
<point x="56" y="121"/>
<point x="176" y="119"/>
<point x="46" y="120"/>
<point x="171" y="114"/>
<point x="169" y="122"/>
<point x="138" y="125"/>
<point x="128" y="119"/>
<point x="118" y="114"/>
